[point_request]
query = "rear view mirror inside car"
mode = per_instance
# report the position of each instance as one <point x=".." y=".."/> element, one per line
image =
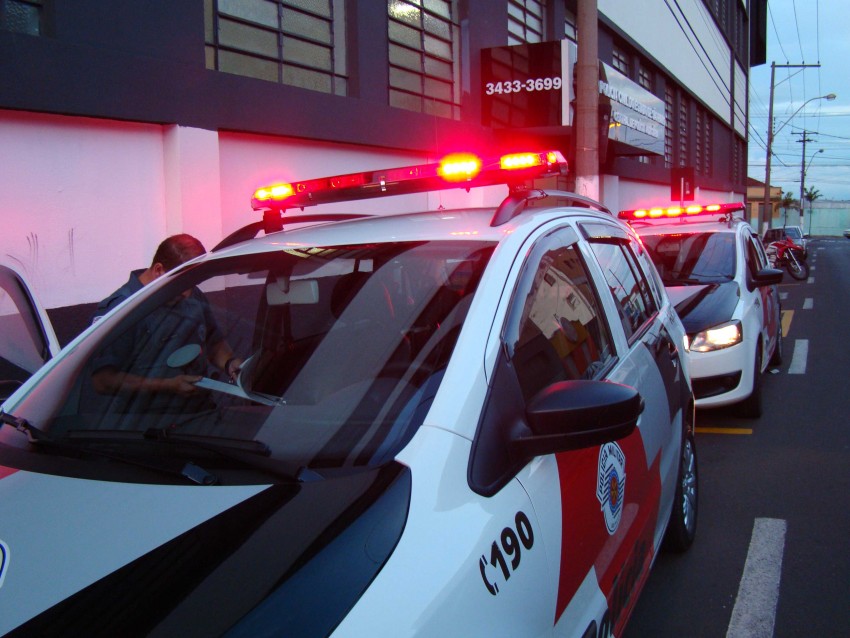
<point x="284" y="291"/>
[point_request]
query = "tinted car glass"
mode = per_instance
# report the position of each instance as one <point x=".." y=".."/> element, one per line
<point x="693" y="258"/>
<point x="626" y="283"/>
<point x="343" y="349"/>
<point x="561" y="333"/>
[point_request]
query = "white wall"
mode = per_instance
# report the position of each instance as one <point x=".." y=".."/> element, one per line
<point x="81" y="202"/>
<point x="85" y="201"/>
<point x="684" y="39"/>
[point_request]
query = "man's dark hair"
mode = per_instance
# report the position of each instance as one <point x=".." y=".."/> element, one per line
<point x="176" y="250"/>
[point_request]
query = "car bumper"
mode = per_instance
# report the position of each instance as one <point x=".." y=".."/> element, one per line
<point x="721" y="377"/>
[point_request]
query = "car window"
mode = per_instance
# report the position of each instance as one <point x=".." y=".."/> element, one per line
<point x="650" y="271"/>
<point x="756" y="257"/>
<point x="793" y="232"/>
<point x="693" y="258"/>
<point x="627" y="284"/>
<point x="342" y="350"/>
<point x="23" y="345"/>
<point x="558" y="332"/>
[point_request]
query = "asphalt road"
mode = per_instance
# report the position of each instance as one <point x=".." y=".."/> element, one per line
<point x="789" y="472"/>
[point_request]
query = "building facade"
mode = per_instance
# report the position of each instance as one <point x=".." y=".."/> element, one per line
<point x="122" y="122"/>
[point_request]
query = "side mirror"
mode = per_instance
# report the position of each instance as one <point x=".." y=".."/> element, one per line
<point x="569" y="415"/>
<point x="768" y="277"/>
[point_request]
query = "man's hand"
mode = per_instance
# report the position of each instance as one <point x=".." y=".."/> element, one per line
<point x="182" y="385"/>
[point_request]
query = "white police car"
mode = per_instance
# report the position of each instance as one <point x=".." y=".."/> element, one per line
<point x="717" y="274"/>
<point x="465" y="422"/>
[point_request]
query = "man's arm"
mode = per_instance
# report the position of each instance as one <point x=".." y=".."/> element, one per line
<point x="110" y="380"/>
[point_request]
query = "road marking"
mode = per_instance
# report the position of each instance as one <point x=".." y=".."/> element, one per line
<point x="787" y="316"/>
<point x="808" y="304"/>
<point x="710" y="430"/>
<point x="798" y="359"/>
<point x="810" y="280"/>
<point x="783" y="296"/>
<point x="754" y="614"/>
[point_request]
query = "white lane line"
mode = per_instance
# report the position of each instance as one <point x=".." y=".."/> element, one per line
<point x="810" y="280"/>
<point x="754" y="614"/>
<point x="798" y="359"/>
<point x="783" y="296"/>
<point x="808" y="304"/>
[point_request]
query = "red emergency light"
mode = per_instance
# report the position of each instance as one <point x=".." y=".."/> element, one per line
<point x="681" y="212"/>
<point x="462" y="170"/>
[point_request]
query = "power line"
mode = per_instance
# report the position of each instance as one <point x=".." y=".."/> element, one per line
<point x="776" y="31"/>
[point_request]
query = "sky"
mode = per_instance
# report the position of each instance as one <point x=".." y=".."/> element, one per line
<point x="804" y="32"/>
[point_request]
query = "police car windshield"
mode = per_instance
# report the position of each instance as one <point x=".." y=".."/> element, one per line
<point x="340" y="350"/>
<point x="693" y="258"/>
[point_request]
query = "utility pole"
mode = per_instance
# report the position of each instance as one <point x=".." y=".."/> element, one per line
<point x="587" y="100"/>
<point x="767" y="213"/>
<point x="805" y="139"/>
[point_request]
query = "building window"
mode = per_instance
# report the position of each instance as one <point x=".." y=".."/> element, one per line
<point x="295" y="42"/>
<point x="570" y="28"/>
<point x="668" y="128"/>
<point x="682" y="159"/>
<point x="645" y="78"/>
<point x="423" y="55"/>
<point x="621" y="61"/>
<point x="21" y="16"/>
<point x="525" y="21"/>
<point x="698" y="150"/>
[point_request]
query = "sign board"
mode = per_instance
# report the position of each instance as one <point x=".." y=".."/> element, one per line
<point x="528" y="85"/>
<point x="532" y="85"/>
<point x="637" y="117"/>
<point x="682" y="184"/>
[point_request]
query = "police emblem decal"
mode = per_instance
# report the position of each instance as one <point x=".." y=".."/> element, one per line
<point x="4" y="561"/>
<point x="611" y="484"/>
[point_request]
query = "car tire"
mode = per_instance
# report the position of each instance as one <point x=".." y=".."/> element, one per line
<point x="751" y="407"/>
<point x="682" y="527"/>
<point x="776" y="357"/>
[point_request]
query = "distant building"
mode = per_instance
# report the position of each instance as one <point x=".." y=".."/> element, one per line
<point x="755" y="203"/>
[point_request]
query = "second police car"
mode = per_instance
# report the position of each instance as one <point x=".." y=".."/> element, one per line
<point x="719" y="277"/>
<point x="465" y="422"/>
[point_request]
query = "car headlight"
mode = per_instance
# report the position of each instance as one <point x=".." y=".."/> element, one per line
<point x="718" y="337"/>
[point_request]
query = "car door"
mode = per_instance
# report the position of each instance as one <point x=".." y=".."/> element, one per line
<point x="598" y="508"/>
<point x="27" y="339"/>
<point x="765" y="299"/>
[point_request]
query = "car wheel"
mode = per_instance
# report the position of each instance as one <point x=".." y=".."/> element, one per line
<point x="751" y="406"/>
<point x="682" y="527"/>
<point x="776" y="357"/>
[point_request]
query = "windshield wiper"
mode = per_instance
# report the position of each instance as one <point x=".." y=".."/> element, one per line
<point x="251" y="453"/>
<point x="39" y="437"/>
<point x="22" y="425"/>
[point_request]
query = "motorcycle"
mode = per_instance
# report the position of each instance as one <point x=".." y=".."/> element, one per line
<point x="784" y="253"/>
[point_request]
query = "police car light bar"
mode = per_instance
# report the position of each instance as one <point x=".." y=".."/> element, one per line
<point x="461" y="170"/>
<point x="642" y="214"/>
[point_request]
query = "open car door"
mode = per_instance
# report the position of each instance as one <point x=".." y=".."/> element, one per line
<point x="27" y="339"/>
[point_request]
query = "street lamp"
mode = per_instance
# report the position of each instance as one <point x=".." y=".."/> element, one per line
<point x="805" y="169"/>
<point x="770" y="136"/>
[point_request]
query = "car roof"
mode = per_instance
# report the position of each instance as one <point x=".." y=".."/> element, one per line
<point x="441" y="225"/>
<point x="688" y="226"/>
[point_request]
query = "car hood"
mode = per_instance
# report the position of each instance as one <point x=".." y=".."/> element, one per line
<point x="84" y="557"/>
<point x="701" y="306"/>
